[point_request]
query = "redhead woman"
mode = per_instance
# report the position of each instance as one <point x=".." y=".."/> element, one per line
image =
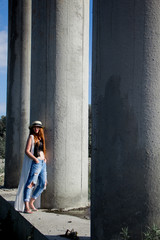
<point x="33" y="177"/>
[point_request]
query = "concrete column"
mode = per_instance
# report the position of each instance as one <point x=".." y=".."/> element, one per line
<point x="126" y="117"/>
<point x="59" y="96"/>
<point x="18" y="88"/>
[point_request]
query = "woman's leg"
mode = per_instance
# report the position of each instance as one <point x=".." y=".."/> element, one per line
<point x="31" y="204"/>
<point x="32" y="180"/>
<point x="42" y="178"/>
<point x="27" y="208"/>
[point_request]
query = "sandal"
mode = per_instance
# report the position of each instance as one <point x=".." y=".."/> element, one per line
<point x="33" y="208"/>
<point x="28" y="211"/>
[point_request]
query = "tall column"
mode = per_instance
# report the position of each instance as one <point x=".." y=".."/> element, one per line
<point x="126" y="117"/>
<point x="18" y="88"/>
<point x="59" y="96"/>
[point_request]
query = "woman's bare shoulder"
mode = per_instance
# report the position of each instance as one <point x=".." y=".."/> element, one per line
<point x="30" y="137"/>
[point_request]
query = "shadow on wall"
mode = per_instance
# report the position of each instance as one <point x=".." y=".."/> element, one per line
<point x="118" y="156"/>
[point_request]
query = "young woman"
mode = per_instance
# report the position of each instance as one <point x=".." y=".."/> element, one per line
<point x="33" y="174"/>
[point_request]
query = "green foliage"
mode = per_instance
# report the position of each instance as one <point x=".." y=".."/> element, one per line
<point x="2" y="136"/>
<point x="89" y="129"/>
<point x="2" y="126"/>
<point x="124" y="234"/>
<point x="152" y="233"/>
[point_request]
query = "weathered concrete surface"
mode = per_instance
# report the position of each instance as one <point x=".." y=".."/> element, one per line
<point x="18" y="88"/>
<point x="126" y="117"/>
<point x="59" y="96"/>
<point x="22" y="227"/>
<point x="50" y="225"/>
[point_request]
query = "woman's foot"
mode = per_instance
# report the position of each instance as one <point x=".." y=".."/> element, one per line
<point x="27" y="208"/>
<point x="28" y="211"/>
<point x="32" y="205"/>
<point x="33" y="208"/>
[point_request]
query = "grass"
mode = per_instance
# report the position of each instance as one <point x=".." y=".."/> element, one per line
<point x="151" y="233"/>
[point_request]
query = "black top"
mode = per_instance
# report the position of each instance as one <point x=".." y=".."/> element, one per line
<point x="38" y="147"/>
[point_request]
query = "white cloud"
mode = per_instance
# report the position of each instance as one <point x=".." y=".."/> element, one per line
<point x="3" y="49"/>
<point x="2" y="109"/>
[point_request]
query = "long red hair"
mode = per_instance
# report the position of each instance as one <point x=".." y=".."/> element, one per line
<point x="39" y="136"/>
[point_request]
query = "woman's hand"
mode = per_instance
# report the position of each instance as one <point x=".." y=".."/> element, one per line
<point x="36" y="161"/>
<point x="45" y="160"/>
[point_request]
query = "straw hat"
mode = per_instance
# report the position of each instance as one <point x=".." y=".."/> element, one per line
<point x="36" y="124"/>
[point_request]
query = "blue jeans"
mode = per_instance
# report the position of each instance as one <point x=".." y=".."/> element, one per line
<point x="37" y="173"/>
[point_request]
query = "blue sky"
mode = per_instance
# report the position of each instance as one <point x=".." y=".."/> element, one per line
<point x="3" y="54"/>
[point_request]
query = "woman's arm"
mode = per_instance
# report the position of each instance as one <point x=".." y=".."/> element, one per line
<point x="28" y="150"/>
